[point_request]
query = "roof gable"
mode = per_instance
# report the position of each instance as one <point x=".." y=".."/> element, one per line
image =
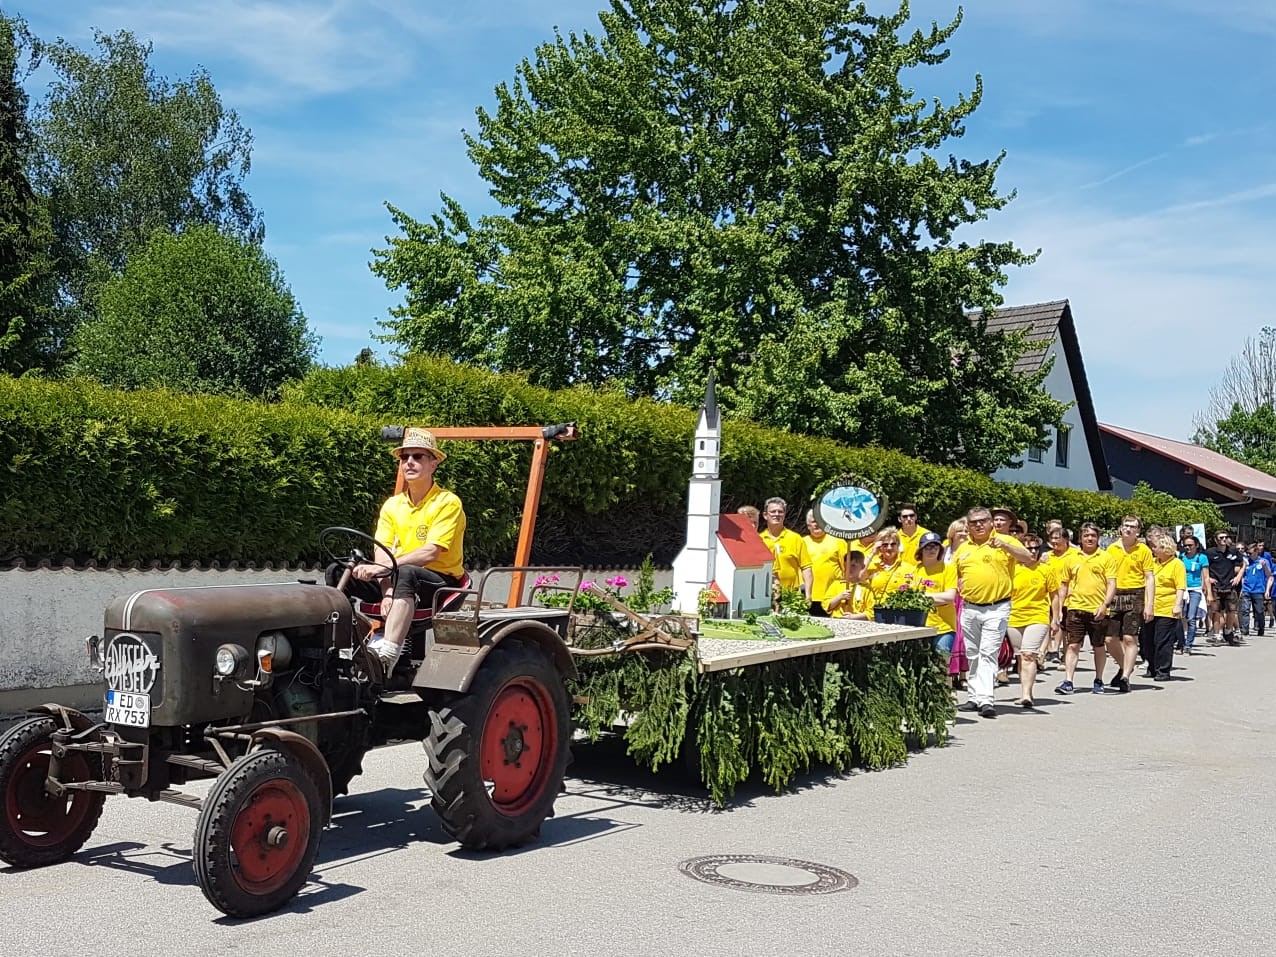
<point x="740" y="538"/>
<point x="1042" y="323"/>
<point x="1244" y="478"/>
<point x="1039" y="323"/>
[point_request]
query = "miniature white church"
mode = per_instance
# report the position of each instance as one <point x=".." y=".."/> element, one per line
<point x="722" y="553"/>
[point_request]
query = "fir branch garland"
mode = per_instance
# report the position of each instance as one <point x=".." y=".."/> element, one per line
<point x="862" y="706"/>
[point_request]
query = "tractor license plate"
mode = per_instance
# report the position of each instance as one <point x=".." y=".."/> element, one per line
<point x="133" y="710"/>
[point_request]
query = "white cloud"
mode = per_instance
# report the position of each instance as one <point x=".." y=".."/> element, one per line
<point x="1162" y="300"/>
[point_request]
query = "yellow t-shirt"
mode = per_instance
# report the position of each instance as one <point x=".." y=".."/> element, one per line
<point x="942" y="577"/>
<point x="827" y="557"/>
<point x="908" y="545"/>
<point x="1088" y="581"/>
<point x="1133" y="565"/>
<point x="1170" y="578"/>
<point x="790" y="556"/>
<point x="438" y="519"/>
<point x="861" y="602"/>
<point x="1063" y="564"/>
<point x="986" y="573"/>
<point x="1031" y="593"/>
<point x="880" y="580"/>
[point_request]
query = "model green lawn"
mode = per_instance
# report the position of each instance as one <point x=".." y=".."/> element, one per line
<point x="766" y="628"/>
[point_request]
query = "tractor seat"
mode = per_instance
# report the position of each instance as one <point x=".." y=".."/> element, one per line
<point x="453" y="596"/>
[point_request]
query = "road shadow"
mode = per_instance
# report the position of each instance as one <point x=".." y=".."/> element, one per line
<point x="603" y="771"/>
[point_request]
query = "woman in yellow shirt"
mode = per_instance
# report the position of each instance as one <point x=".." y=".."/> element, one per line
<point x="937" y="577"/>
<point x="1034" y="607"/>
<point x="888" y="570"/>
<point x="1169" y="586"/>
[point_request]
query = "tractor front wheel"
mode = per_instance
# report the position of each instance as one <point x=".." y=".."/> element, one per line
<point x="497" y="753"/>
<point x="257" y="834"/>
<point x="38" y="827"/>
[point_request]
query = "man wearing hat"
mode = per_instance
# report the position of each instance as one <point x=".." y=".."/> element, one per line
<point x="424" y="527"/>
<point x="1004" y="520"/>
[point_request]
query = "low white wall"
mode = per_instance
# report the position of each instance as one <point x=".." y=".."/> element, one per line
<point x="46" y="613"/>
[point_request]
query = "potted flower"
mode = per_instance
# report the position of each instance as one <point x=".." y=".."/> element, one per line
<point x="909" y="604"/>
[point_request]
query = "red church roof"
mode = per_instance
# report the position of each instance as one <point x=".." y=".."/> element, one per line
<point x="741" y="540"/>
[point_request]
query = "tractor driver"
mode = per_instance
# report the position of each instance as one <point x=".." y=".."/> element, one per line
<point x="424" y="527"/>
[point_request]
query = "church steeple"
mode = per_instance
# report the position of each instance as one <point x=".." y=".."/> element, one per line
<point x="708" y="438"/>
<point x="693" y="569"/>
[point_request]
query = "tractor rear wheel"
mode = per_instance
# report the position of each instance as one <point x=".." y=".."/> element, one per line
<point x="257" y="834"/>
<point x="36" y="827"/>
<point x="497" y="753"/>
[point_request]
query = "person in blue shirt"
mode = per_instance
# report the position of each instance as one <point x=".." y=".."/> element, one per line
<point x="1198" y="598"/>
<point x="1256" y="587"/>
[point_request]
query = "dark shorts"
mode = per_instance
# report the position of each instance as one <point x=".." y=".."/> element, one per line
<point x="1079" y="625"/>
<point x="412" y="581"/>
<point x="1226" y="600"/>
<point x="1125" y="617"/>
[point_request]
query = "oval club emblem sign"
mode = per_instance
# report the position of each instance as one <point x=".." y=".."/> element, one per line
<point x="850" y="507"/>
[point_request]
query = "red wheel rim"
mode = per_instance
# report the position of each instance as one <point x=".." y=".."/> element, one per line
<point x="520" y="740"/>
<point x="34" y="815"/>
<point x="269" y="836"/>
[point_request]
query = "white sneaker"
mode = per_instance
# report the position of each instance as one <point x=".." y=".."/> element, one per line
<point x="387" y="651"/>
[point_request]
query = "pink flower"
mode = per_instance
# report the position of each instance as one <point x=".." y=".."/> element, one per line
<point x="544" y="580"/>
<point x="586" y="586"/>
<point x="618" y="582"/>
<point x="928" y="583"/>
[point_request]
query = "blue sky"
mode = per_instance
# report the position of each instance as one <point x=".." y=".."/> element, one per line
<point x="1140" y="138"/>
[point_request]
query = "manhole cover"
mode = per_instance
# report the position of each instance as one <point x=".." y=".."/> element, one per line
<point x="767" y="875"/>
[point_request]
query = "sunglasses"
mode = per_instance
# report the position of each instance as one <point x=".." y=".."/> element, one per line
<point x="415" y="456"/>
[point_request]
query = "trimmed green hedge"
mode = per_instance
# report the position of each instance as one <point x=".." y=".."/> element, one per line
<point x="92" y="472"/>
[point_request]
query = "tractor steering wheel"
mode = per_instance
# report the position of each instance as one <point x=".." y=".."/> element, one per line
<point x="330" y="537"/>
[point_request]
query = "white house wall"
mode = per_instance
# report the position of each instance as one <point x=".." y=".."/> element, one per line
<point x="1080" y="471"/>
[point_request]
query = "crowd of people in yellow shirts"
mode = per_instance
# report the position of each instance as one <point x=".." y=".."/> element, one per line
<point x="991" y="579"/>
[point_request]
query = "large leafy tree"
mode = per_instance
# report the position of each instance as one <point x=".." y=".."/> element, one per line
<point x="123" y="152"/>
<point x="196" y="311"/>
<point x="748" y="186"/>
<point x="26" y="265"/>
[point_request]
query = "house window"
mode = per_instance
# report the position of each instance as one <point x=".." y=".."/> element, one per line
<point x="1061" y="446"/>
<point x="1034" y="453"/>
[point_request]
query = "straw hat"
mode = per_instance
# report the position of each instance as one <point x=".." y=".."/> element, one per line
<point x="1007" y="511"/>
<point x="420" y="439"/>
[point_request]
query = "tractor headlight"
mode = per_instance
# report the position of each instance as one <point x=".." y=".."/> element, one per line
<point x="232" y="661"/>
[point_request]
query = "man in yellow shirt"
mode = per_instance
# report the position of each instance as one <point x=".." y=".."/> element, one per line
<point x="1087" y="594"/>
<point x="1132" y="604"/>
<point x="423" y="527"/>
<point x="827" y="557"/>
<point x="985" y="568"/>
<point x="785" y="544"/>
<point x="1063" y="555"/>
<point x="910" y="532"/>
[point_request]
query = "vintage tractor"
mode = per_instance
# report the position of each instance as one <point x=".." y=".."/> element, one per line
<point x="269" y="690"/>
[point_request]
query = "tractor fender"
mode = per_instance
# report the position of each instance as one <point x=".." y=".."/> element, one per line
<point x="311" y="758"/>
<point x="449" y="668"/>
<point x="70" y="718"/>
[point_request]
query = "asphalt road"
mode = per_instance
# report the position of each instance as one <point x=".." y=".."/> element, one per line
<point x="1134" y="824"/>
